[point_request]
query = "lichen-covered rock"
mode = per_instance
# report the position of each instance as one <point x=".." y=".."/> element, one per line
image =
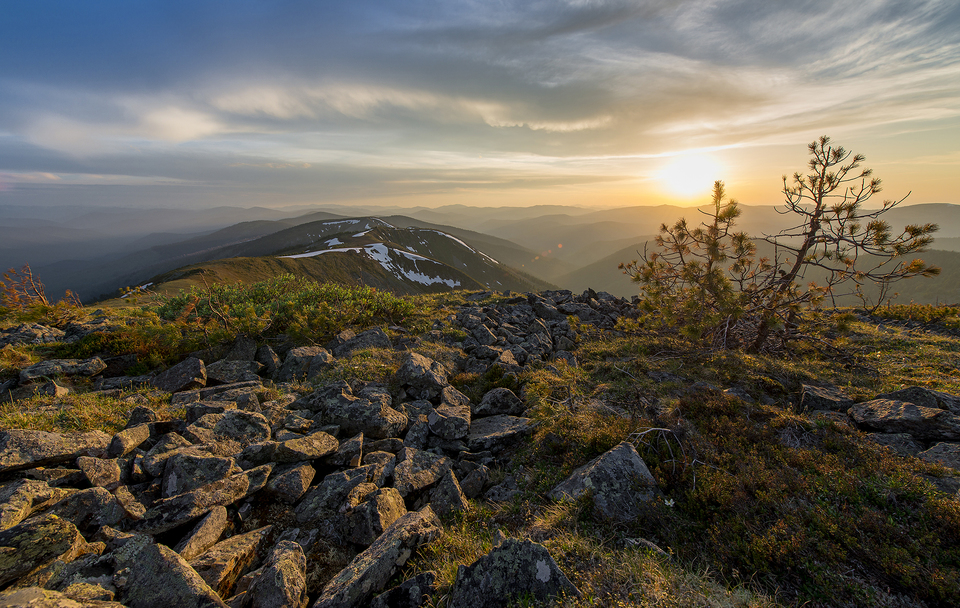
<point x="296" y="365"/>
<point x="902" y="443"/>
<point x="418" y="469"/>
<point x="925" y="397"/>
<point x="618" y="480"/>
<point x="369" y="413"/>
<point x="451" y="419"/>
<point x="311" y="447"/>
<point x="23" y="449"/>
<point x="514" y="569"/>
<point x="20" y="497"/>
<point x="889" y="416"/>
<point x="382" y="466"/>
<point x="89" y="509"/>
<point x="37" y="597"/>
<point x="222" y="564"/>
<point x="31" y="333"/>
<point x="499" y="401"/>
<point x="372" y="338"/>
<point x="823" y="398"/>
<point x="62" y="367"/>
<point x="369" y="571"/>
<point x="128" y="440"/>
<point x="330" y="494"/>
<point x="411" y="593"/>
<point x="475" y="481"/>
<point x="422" y="378"/>
<point x="947" y="454"/>
<point x="367" y="520"/>
<point x="101" y="472"/>
<point x="282" y="582"/>
<point x="288" y="485"/>
<point x="155" y="460"/>
<point x="497" y="432"/>
<point x="186" y="471"/>
<point x="149" y="575"/>
<point x="35" y="543"/>
<point x="227" y="372"/>
<point x="204" y="535"/>
<point x="447" y="497"/>
<point x="184" y="376"/>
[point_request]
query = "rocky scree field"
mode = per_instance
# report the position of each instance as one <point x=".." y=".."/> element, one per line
<point x="232" y="447"/>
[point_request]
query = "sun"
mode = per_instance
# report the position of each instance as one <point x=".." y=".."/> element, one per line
<point x="690" y="175"/>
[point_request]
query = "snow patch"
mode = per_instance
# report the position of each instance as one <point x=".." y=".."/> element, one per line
<point x="334" y="241"/>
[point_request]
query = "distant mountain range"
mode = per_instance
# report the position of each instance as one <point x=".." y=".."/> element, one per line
<point x="95" y="252"/>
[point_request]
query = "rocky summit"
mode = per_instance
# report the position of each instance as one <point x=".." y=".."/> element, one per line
<point x="275" y="484"/>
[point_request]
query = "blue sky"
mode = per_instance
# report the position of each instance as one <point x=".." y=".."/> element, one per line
<point x="592" y="103"/>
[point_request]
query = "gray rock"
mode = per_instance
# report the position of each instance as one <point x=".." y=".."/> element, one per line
<point x="297" y="363"/>
<point x="901" y="443"/>
<point x="244" y="348"/>
<point x="282" y="582"/>
<point x="349" y="453"/>
<point x="186" y="471"/>
<point x="823" y="398"/>
<point x="89" y="509"/>
<point x="31" y="333"/>
<point x="228" y="372"/>
<point x="514" y="569"/>
<point x="418" y="431"/>
<point x="221" y="565"/>
<point x="503" y="491"/>
<point x="924" y="423"/>
<point x="184" y="376"/>
<point x="499" y="401"/>
<point x="422" y="378"/>
<point x="149" y="575"/>
<point x="23" y="449"/>
<point x="62" y="367"/>
<point x="311" y="447"/>
<point x="370" y="413"/>
<point x="102" y="472"/>
<point x="197" y="410"/>
<point x="155" y="460"/>
<point x="37" y="597"/>
<point x="289" y="485"/>
<point x="132" y="507"/>
<point x="496" y="432"/>
<point x="35" y="543"/>
<point x="372" y="338"/>
<point x="128" y="439"/>
<point x="925" y="397"/>
<point x="447" y="497"/>
<point x="269" y="360"/>
<point x="330" y="494"/>
<point x="451" y="419"/>
<point x="618" y="481"/>
<point x="411" y="593"/>
<point x="369" y="571"/>
<point x="418" y="469"/>
<point x="947" y="454"/>
<point x="367" y="521"/>
<point x="21" y="497"/>
<point x="475" y="481"/>
<point x="204" y="535"/>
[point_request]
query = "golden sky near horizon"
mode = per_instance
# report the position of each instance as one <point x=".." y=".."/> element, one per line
<point x="577" y="102"/>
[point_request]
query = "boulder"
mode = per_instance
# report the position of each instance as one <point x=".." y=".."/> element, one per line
<point x="421" y="377"/>
<point x="925" y="397"/>
<point x="149" y="575"/>
<point x="451" y="419"/>
<point x="36" y="543"/>
<point x="349" y="452"/>
<point x="372" y="338"/>
<point x="31" y="333"/>
<point x="290" y="484"/>
<point x="382" y="465"/>
<point x="447" y="497"/>
<point x="367" y="520"/>
<point x="37" y="597"/>
<point x="129" y="439"/>
<point x="369" y="413"/>
<point x="266" y="357"/>
<point x="823" y="398"/>
<point x="418" y="469"/>
<point x="221" y="565"/>
<point x="510" y="571"/>
<point x="411" y="593"/>
<point x="22" y="449"/>
<point x="311" y="447"/>
<point x="89" y="509"/>
<point x="186" y="471"/>
<point x="296" y="365"/>
<point x="204" y="535"/>
<point x="62" y="367"/>
<point x="188" y="374"/>
<point x="369" y="571"/>
<point x="889" y="416"/>
<point x="618" y="481"/>
<point x="330" y="494"/>
<point x="282" y="582"/>
<point x="21" y="497"/>
<point x="101" y="472"/>
<point x="496" y="432"/>
<point x="230" y="371"/>
<point x="155" y="460"/>
<point x="902" y="443"/>
<point x="499" y="401"/>
<point x="947" y="454"/>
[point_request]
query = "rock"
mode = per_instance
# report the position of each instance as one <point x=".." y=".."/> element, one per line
<point x="369" y="571"/>
<point x="244" y="348"/>
<point x="411" y="593"/>
<point x="332" y="492"/>
<point x="155" y="460"/>
<point x="418" y="431"/>
<point x="497" y="432"/>
<point x="36" y="597"/>
<point x="297" y="363"/>
<point x="102" y="472"/>
<point x="499" y="401"/>
<point x="618" y="481"/>
<point x="221" y="565"/>
<point x="311" y="447"/>
<point x="282" y="582"/>
<point x="512" y="570"/>
<point x="35" y="543"/>
<point x="21" y="497"/>
<point x="228" y="372"/>
<point x="128" y="440"/>
<point x="62" y="367"/>
<point x="370" y="413"/>
<point x="418" y="469"/>
<point x="84" y="592"/>
<point x="372" y="338"/>
<point x="89" y="509"/>
<point x="289" y="485"/>
<point x="422" y="378"/>
<point x="184" y="376"/>
<point x="31" y="333"/>
<point x="901" y="443"/>
<point x="925" y="397"/>
<point x="349" y="453"/>
<point x="204" y="535"/>
<point x="186" y="471"/>
<point x="924" y="423"/>
<point x="367" y="521"/>
<point x="947" y="454"/>
<point x="503" y="491"/>
<point x="447" y="497"/>
<point x="475" y="481"/>
<point x="52" y="389"/>
<point x="451" y="419"/>
<point x="269" y="360"/>
<point x="132" y="507"/>
<point x="149" y="575"/>
<point x="22" y="449"/>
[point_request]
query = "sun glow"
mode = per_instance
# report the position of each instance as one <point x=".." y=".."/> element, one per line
<point x="690" y="175"/>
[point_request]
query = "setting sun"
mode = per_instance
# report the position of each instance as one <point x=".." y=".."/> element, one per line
<point x="690" y="175"/>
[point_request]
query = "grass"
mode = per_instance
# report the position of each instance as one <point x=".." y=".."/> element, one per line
<point x="79" y="412"/>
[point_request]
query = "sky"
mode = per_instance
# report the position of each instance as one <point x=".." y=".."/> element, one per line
<point x="490" y="103"/>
